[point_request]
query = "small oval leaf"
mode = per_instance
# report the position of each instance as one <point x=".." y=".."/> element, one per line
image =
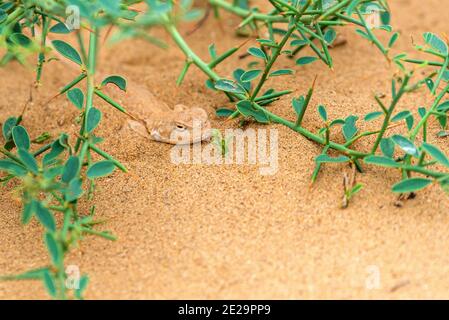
<point x="250" y="75"/>
<point x="118" y="81"/>
<point x="257" y="52"/>
<point x="60" y="28"/>
<point x="381" y="161"/>
<point x="411" y="185"/>
<point x="71" y="168"/>
<point x="28" y="160"/>
<point x="21" y="137"/>
<point x="93" y="119"/>
<point x="67" y="51"/>
<point x="406" y="145"/>
<point x="76" y="96"/>
<point x="305" y="60"/>
<point x="45" y="217"/>
<point x="100" y="169"/>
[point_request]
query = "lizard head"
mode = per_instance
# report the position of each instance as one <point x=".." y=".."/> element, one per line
<point x="182" y="125"/>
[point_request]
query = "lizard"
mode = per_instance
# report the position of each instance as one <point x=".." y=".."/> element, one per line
<point x="175" y="126"/>
<point x="153" y="119"/>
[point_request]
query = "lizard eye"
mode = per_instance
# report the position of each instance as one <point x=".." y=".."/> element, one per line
<point x="180" y="127"/>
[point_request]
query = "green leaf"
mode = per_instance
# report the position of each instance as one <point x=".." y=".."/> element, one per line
<point x="299" y="42"/>
<point x="324" y="158"/>
<point x="74" y="190"/>
<point x="436" y="153"/>
<point x="422" y="112"/>
<point x="349" y="128"/>
<point x="411" y="185"/>
<point x="100" y="169"/>
<point x="71" y="168"/>
<point x="257" y="52"/>
<point x="93" y="119"/>
<point x="436" y="43"/>
<point x="305" y="60"/>
<point x="13" y="168"/>
<point x="246" y="109"/>
<point x="67" y="51"/>
<point x="49" y="284"/>
<point x="45" y="217"/>
<point x="281" y="72"/>
<point x="409" y="121"/>
<point x="212" y="51"/>
<point x="76" y="96"/>
<point x="53" y="248"/>
<point x="430" y="84"/>
<point x="21" y="137"/>
<point x="35" y="274"/>
<point x="56" y="149"/>
<point x="229" y="86"/>
<point x="28" y="160"/>
<point x="250" y="75"/>
<point x="27" y="212"/>
<point x="10" y="123"/>
<point x="237" y="74"/>
<point x="329" y="36"/>
<point x="443" y="107"/>
<point x="60" y="28"/>
<point x="20" y="39"/>
<point x="79" y="293"/>
<point x="356" y="189"/>
<point x="393" y="39"/>
<point x="266" y="42"/>
<point x="406" y="145"/>
<point x="373" y="115"/>
<point x="298" y="104"/>
<point x="387" y="147"/>
<point x="224" y="112"/>
<point x="119" y="81"/>
<point x="323" y="113"/>
<point x="401" y="116"/>
<point x="381" y="161"/>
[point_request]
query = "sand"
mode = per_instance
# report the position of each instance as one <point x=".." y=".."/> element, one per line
<point x="221" y="232"/>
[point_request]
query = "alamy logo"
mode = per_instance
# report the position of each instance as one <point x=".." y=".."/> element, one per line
<point x="73" y="17"/>
<point x="373" y="16"/>
<point x="250" y="146"/>
<point x="372" y="281"/>
<point x="72" y="277"/>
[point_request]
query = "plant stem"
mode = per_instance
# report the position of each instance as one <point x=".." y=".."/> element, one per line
<point x="429" y="113"/>
<point x="390" y="110"/>
<point x="91" y="65"/>
<point x="179" y="40"/>
<point x="278" y="50"/>
<point x="245" y="13"/>
<point x="309" y="135"/>
<point x="272" y="60"/>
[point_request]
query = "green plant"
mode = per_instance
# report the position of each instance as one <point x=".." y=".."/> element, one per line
<point x="54" y="178"/>
<point x="309" y="23"/>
